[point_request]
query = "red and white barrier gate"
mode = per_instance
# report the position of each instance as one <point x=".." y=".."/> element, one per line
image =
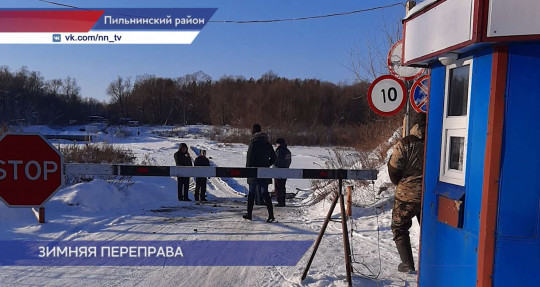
<point x="200" y="171"/>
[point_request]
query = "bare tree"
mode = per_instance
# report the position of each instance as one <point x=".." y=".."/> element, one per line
<point x="120" y="91"/>
<point x="53" y="86"/>
<point x="371" y="62"/>
<point x="70" y="88"/>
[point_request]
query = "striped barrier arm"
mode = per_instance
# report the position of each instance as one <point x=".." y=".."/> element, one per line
<point x="199" y="171"/>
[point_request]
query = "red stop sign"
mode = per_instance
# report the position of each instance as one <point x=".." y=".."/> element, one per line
<point x="31" y="170"/>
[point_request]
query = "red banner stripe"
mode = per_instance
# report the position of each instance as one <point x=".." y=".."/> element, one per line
<point x="48" y="21"/>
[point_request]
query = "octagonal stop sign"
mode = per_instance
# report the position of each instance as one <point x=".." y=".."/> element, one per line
<point x="31" y="170"/>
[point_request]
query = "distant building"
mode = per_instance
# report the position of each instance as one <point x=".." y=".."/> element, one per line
<point x="96" y="124"/>
<point x="128" y="122"/>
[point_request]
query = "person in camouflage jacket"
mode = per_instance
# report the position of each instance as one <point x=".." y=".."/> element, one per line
<point x="406" y="170"/>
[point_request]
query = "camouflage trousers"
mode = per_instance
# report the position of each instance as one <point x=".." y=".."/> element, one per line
<point x="402" y="215"/>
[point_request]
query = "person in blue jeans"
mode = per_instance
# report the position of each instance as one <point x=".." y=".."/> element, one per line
<point x="260" y="154"/>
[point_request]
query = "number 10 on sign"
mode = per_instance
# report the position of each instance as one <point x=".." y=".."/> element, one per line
<point x="386" y="95"/>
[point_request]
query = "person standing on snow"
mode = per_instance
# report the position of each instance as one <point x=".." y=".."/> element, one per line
<point x="200" y="182"/>
<point x="406" y="167"/>
<point x="260" y="154"/>
<point x="283" y="160"/>
<point x="182" y="158"/>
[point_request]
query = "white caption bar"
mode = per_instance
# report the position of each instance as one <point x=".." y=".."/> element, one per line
<point x="105" y="37"/>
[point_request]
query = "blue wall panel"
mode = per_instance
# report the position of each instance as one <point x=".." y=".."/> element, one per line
<point x="518" y="198"/>
<point x="478" y="121"/>
<point x="517" y="254"/>
<point x="516" y="263"/>
<point x="448" y="255"/>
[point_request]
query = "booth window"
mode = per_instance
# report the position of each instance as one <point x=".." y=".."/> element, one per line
<point x="455" y="123"/>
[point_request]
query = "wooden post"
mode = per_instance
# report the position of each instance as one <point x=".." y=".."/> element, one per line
<point x="346" y="243"/>
<point x="349" y="199"/>
<point x="39" y="213"/>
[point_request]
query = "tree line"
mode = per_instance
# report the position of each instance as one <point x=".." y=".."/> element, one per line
<point x="237" y="101"/>
<point x="273" y="101"/>
<point x="26" y="96"/>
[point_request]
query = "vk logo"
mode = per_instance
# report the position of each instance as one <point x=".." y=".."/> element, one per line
<point x="56" y="38"/>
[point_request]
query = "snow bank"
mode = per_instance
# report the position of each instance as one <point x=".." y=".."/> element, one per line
<point x="99" y="195"/>
<point x="96" y="195"/>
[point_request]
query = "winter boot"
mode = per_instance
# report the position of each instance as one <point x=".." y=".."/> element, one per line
<point x="269" y="206"/>
<point x="247" y="216"/>
<point x="403" y="245"/>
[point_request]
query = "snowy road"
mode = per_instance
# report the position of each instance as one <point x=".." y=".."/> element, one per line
<point x="148" y="211"/>
<point x="218" y="220"/>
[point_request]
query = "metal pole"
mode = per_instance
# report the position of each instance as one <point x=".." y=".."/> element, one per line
<point x="346" y="245"/>
<point x="407" y="110"/>
<point x="321" y="233"/>
<point x="408" y="6"/>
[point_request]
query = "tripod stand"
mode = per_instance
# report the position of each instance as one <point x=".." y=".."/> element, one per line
<point x="346" y="244"/>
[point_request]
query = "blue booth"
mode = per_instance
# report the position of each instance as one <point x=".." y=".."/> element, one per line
<point x="480" y="207"/>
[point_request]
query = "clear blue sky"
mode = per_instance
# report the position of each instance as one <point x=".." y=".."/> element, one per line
<point x="317" y="48"/>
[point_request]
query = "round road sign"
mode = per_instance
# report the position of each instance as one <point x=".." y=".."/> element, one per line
<point x="395" y="64"/>
<point x="31" y="170"/>
<point x="420" y="94"/>
<point x="387" y="95"/>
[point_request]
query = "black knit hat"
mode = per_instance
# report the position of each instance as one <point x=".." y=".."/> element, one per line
<point x="183" y="145"/>
<point x="280" y="141"/>
<point x="256" y="129"/>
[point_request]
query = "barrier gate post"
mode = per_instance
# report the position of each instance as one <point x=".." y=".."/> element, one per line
<point x="346" y="244"/>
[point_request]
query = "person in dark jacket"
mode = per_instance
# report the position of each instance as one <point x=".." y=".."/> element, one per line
<point x="182" y="158"/>
<point x="260" y="154"/>
<point x="406" y="170"/>
<point x="200" y="182"/>
<point x="283" y="160"/>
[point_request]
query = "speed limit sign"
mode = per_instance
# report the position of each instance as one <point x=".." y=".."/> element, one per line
<point x="387" y="95"/>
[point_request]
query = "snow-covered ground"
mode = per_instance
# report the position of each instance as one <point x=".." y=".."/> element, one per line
<point x="148" y="210"/>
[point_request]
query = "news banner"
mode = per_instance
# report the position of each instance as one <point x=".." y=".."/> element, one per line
<point x="103" y="26"/>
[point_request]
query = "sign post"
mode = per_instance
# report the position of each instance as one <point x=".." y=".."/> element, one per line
<point x="407" y="74"/>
